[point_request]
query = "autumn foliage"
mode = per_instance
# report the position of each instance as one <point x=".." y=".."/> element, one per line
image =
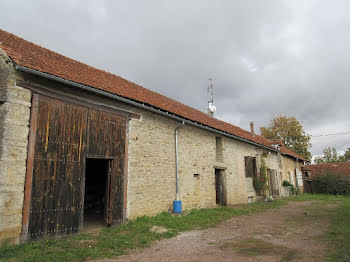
<point x="290" y="131"/>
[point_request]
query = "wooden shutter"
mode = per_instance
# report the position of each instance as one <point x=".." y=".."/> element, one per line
<point x="274" y="184"/>
<point x="250" y="166"/>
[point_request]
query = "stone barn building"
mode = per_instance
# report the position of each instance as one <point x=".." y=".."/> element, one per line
<point x="78" y="144"/>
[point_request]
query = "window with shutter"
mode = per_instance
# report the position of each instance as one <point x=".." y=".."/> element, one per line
<point x="250" y="166"/>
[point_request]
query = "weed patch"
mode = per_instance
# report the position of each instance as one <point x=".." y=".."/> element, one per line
<point x="339" y="234"/>
<point x="257" y="247"/>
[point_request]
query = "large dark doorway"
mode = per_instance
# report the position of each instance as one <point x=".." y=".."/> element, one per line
<point x="220" y="187"/>
<point x="96" y="192"/>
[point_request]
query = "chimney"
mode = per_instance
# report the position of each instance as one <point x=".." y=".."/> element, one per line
<point x="252" y="128"/>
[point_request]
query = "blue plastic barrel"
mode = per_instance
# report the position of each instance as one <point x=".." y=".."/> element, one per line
<point x="177" y="206"/>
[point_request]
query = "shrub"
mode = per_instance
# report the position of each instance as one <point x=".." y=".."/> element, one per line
<point x="331" y="183"/>
<point x="287" y="183"/>
<point x="260" y="182"/>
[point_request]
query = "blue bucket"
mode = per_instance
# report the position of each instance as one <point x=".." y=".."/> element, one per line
<point x="177" y="206"/>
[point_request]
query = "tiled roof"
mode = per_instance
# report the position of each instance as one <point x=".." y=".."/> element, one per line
<point x="289" y="152"/>
<point x="286" y="151"/>
<point x="337" y="168"/>
<point x="27" y="54"/>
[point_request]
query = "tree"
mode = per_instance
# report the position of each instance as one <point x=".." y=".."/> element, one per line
<point x="290" y="131"/>
<point x="330" y="155"/>
<point x="347" y="155"/>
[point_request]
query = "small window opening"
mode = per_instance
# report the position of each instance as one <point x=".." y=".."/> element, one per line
<point x="196" y="175"/>
<point x="250" y="166"/>
<point x="218" y="143"/>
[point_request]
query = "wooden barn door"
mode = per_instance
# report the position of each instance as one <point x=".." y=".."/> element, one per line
<point x="56" y="197"/>
<point x="63" y="136"/>
<point x="220" y="187"/>
<point x="106" y="140"/>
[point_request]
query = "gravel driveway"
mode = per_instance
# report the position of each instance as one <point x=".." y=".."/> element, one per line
<point x="288" y="233"/>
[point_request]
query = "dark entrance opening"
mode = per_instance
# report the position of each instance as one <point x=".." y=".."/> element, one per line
<point x="96" y="192"/>
<point x="220" y="187"/>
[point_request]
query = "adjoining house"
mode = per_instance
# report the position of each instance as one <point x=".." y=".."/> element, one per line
<point x="314" y="170"/>
<point x="80" y="144"/>
<point x="292" y="168"/>
<point x="334" y="168"/>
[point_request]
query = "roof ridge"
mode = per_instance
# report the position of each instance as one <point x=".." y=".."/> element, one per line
<point x="58" y="54"/>
<point x="332" y="163"/>
<point x="99" y="69"/>
<point x="42" y="59"/>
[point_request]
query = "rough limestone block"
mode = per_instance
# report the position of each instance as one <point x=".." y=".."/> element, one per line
<point x="12" y="173"/>
<point x="11" y="197"/>
<point x="14" y="135"/>
<point x="19" y="95"/>
<point x="16" y="114"/>
<point x="11" y="232"/>
<point x="12" y="153"/>
<point x="10" y="221"/>
<point x="14" y="127"/>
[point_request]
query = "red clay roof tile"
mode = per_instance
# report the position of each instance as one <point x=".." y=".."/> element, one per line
<point x="35" y="57"/>
<point x="337" y="168"/>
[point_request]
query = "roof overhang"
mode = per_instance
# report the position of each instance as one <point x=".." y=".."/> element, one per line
<point x="137" y="104"/>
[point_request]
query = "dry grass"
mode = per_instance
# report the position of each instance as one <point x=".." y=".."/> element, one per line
<point x="258" y="247"/>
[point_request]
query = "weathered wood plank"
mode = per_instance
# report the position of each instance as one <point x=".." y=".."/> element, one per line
<point x="30" y="167"/>
<point x="66" y="134"/>
<point x="106" y="138"/>
<point x="56" y="200"/>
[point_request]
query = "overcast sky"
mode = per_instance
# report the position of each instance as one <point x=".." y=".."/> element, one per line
<point x="267" y="58"/>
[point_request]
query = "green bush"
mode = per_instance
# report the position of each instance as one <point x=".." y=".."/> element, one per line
<point x="287" y="183"/>
<point x="331" y="183"/>
<point x="260" y="181"/>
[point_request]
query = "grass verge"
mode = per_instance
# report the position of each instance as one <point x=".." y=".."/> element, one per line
<point x="338" y="236"/>
<point x="112" y="242"/>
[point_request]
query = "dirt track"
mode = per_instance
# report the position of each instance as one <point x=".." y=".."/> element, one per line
<point x="288" y="233"/>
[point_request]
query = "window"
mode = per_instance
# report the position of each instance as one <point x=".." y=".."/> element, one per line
<point x="250" y="166"/>
<point x="218" y="147"/>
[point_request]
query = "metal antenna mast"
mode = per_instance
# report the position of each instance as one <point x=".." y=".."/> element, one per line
<point x="211" y="107"/>
<point x="210" y="90"/>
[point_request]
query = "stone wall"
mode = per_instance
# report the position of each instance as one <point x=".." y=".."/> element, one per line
<point x="14" y="121"/>
<point x="151" y="160"/>
<point x="151" y="157"/>
<point x="152" y="166"/>
<point x="289" y="165"/>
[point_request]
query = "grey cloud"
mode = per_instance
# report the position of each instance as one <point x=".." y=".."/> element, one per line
<point x="267" y="57"/>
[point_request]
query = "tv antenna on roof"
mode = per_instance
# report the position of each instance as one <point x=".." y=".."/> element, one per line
<point x="211" y="107"/>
